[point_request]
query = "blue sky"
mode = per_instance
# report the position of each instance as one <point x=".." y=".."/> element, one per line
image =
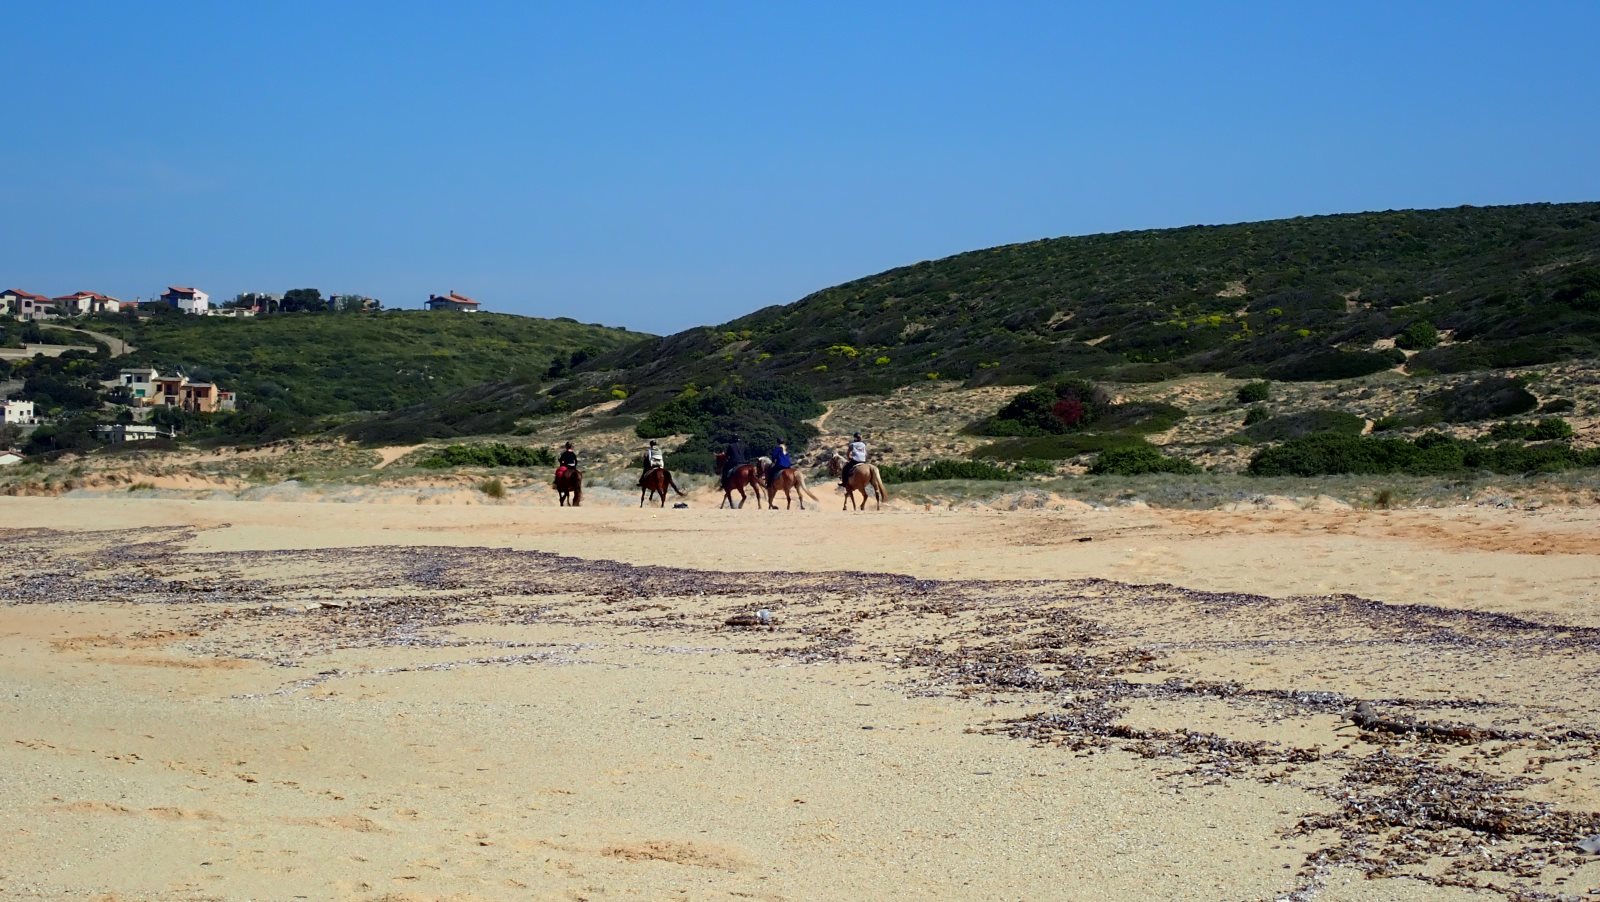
<point x="666" y="165"/>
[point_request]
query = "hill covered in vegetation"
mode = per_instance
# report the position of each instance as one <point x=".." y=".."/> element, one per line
<point x="1310" y="298"/>
<point x="311" y="365"/>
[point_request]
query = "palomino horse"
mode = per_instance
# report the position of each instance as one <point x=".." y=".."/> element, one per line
<point x="786" y="479"/>
<point x="569" y="485"/>
<point x="656" y="482"/>
<point x="741" y="477"/>
<point x="861" y="477"/>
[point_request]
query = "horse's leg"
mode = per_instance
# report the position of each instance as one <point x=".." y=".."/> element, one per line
<point x="641" y="495"/>
<point x="663" y="497"/>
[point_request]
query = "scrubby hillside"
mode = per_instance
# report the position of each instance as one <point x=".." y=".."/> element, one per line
<point x="309" y="365"/>
<point x="1310" y="298"/>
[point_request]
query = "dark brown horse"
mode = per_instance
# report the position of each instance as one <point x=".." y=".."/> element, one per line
<point x="569" y="485"/>
<point x="744" y="476"/>
<point x="656" y="482"/>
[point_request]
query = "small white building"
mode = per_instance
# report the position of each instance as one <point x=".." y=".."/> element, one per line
<point x="140" y="383"/>
<point x="18" y="413"/>
<point x="188" y="300"/>
<point x="84" y="303"/>
<point x="127" y="432"/>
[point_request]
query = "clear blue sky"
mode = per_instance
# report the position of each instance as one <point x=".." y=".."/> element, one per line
<point x="665" y="165"/>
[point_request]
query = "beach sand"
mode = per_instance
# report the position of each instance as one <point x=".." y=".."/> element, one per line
<point x="226" y="699"/>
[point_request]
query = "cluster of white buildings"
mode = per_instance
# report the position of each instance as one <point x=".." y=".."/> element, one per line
<point x="25" y="305"/>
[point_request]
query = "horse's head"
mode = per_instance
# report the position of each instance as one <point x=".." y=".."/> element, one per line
<point x="722" y="458"/>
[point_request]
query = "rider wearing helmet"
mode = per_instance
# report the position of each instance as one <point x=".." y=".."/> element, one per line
<point x="653" y="457"/>
<point x="567" y="461"/>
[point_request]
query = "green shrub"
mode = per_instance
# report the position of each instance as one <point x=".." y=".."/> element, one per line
<point x="1255" y="392"/>
<point x="945" y="469"/>
<point x="1419" y="336"/>
<point x="1304" y="423"/>
<point x="1034" y="467"/>
<point x="1256" y="415"/>
<point x="1138" y="461"/>
<point x="1485" y="399"/>
<point x="1546" y="430"/>
<point x="493" y="487"/>
<point x="1056" y="447"/>
<point x="1385" y="423"/>
<point x="760" y="412"/>
<point x="1430" y="455"/>
<point x="494" y="454"/>
<point x="1051" y="409"/>
<point x="1140" y="416"/>
<point x="1557" y="405"/>
<point x="1329" y="364"/>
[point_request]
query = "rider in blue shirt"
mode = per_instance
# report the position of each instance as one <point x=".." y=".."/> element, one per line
<point x="780" y="461"/>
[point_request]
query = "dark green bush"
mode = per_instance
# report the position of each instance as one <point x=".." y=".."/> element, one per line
<point x="1255" y="392"/>
<point x="945" y="469"/>
<point x="1034" y="467"/>
<point x="761" y="413"/>
<point x="1138" y="461"/>
<point x="1419" y="336"/>
<point x="1329" y="364"/>
<point x="1304" y="423"/>
<point x="1485" y="399"/>
<point x="1056" y="447"/>
<point x="1557" y="405"/>
<point x="1256" y="415"/>
<point x="493" y="454"/>
<point x="1546" y="430"/>
<point x="1055" y="408"/>
<point x="1139" y="416"/>
<point x="1431" y="454"/>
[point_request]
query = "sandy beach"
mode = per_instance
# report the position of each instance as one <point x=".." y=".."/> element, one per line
<point x="209" y="699"/>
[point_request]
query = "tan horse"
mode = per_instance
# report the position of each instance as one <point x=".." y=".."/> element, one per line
<point x="657" y="481"/>
<point x="788" y="478"/>
<point x="861" y="477"/>
<point x="569" y="486"/>
<point x="744" y="476"/>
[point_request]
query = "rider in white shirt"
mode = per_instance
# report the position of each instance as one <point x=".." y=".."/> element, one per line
<point x="858" y="455"/>
<point x="653" y="457"/>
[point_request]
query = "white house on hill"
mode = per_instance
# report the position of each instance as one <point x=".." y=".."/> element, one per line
<point x="460" y="303"/>
<point x="189" y="300"/>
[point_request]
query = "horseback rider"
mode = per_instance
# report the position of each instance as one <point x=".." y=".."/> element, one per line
<point x="653" y="457"/>
<point x="567" y="461"/>
<point x="780" y="461"/>
<point x="736" y="457"/>
<point x="857" y="455"/>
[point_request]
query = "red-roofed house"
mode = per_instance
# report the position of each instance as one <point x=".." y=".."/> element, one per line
<point x="452" y="301"/>
<point x="189" y="300"/>
<point x="83" y="303"/>
<point x="26" y="305"/>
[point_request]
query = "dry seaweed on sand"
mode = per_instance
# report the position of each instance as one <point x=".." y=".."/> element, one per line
<point x="1436" y="783"/>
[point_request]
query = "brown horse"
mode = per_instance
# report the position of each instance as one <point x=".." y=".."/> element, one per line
<point x="786" y="479"/>
<point x="656" y="482"/>
<point x="861" y="477"/>
<point x="744" y="476"/>
<point x="569" y="485"/>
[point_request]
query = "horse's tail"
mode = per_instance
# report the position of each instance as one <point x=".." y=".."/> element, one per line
<point x="877" y="486"/>
<point x="800" y="482"/>
<point x="672" y="482"/>
<point x="577" y="491"/>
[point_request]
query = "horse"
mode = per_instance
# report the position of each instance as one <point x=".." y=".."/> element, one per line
<point x="656" y="482"/>
<point x="861" y="477"/>
<point x="741" y="477"/>
<point x="569" y="484"/>
<point x="786" y="479"/>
